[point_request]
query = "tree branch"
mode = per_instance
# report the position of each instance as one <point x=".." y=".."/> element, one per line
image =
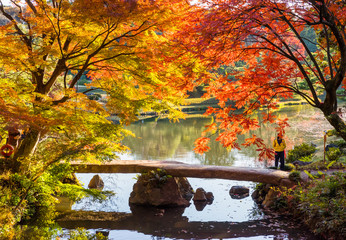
<point x="26" y="40"/>
<point x="32" y="7"/>
<point x="321" y="77"/>
<point x="328" y="52"/>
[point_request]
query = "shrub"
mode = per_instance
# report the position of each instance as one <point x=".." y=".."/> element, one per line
<point x="298" y="152"/>
<point x="333" y="154"/>
<point x="321" y="165"/>
<point x="95" y="96"/>
<point x="340" y="143"/>
<point x="295" y="176"/>
<point x="341" y="94"/>
<point x="332" y="132"/>
<point x="23" y="200"/>
<point x="155" y="179"/>
<point x="306" y="158"/>
<point x="27" y="206"/>
<point x="289" y="167"/>
<point x="322" y="205"/>
<point x="83" y="81"/>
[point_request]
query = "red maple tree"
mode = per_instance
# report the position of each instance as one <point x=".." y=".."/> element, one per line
<point x="267" y="38"/>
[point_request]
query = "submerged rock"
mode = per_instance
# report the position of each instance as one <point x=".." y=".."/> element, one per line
<point x="96" y="183"/>
<point x="210" y="197"/>
<point x="239" y="192"/>
<point x="200" y="205"/>
<point x="202" y="198"/>
<point x="200" y="195"/>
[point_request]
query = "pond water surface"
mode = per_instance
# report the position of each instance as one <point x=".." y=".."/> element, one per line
<point x="225" y="218"/>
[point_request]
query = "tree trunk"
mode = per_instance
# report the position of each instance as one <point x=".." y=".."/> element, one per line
<point x="329" y="109"/>
<point x="26" y="148"/>
<point x="338" y="123"/>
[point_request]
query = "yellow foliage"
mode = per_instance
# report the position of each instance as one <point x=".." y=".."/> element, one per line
<point x="122" y="48"/>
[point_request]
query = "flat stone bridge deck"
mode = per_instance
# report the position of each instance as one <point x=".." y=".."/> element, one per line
<point x="178" y="169"/>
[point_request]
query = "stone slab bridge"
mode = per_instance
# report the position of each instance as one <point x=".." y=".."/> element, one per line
<point x="179" y="169"/>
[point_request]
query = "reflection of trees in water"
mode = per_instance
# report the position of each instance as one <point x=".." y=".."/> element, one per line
<point x="171" y="224"/>
<point x="164" y="140"/>
<point x="217" y="155"/>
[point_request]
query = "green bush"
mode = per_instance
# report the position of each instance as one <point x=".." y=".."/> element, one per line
<point x="306" y="158"/>
<point x="288" y="167"/>
<point x="23" y="200"/>
<point x="321" y="205"/>
<point x="341" y="94"/>
<point x="299" y="152"/>
<point x="333" y="132"/>
<point x="155" y="179"/>
<point x="295" y="176"/>
<point x="95" y="96"/>
<point x="333" y="154"/>
<point x="321" y="165"/>
<point x="340" y="143"/>
<point x="27" y="206"/>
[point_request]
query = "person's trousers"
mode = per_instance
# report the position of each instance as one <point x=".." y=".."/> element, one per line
<point x="280" y="156"/>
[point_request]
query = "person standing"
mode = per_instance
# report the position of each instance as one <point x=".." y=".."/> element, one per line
<point x="279" y="145"/>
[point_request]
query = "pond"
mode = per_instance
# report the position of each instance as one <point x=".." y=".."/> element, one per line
<point x="225" y="218"/>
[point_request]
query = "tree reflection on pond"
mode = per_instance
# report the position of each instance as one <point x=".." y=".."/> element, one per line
<point x="164" y="140"/>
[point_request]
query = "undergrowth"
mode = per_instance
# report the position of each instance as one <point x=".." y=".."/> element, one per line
<point x="320" y="205"/>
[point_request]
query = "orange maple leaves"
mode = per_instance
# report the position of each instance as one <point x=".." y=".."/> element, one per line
<point x="201" y="145"/>
<point x="264" y="38"/>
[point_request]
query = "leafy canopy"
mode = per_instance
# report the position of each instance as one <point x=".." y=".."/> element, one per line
<point x="123" y="46"/>
<point x="281" y="56"/>
<point x="47" y="48"/>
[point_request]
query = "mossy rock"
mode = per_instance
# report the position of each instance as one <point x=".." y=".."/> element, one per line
<point x="289" y="167"/>
<point x="295" y="176"/>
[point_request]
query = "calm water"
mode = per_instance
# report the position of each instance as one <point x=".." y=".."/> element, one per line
<point x="225" y="218"/>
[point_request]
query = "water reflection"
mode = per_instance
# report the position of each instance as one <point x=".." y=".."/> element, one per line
<point x="226" y="218"/>
<point x="163" y="140"/>
<point x="172" y="224"/>
<point x="224" y="208"/>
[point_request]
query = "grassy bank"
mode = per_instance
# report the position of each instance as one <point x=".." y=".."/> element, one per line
<point x="320" y="204"/>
